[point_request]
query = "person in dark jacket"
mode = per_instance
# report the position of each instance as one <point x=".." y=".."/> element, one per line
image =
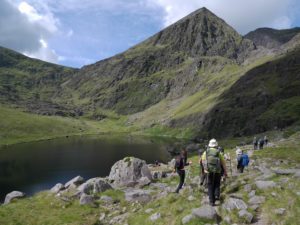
<point x="179" y="168"/>
<point x="184" y="155"/>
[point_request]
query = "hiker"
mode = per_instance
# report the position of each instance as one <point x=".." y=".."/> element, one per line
<point x="255" y="143"/>
<point x="156" y="163"/>
<point x="203" y="180"/>
<point x="212" y="161"/>
<point x="179" y="168"/>
<point x="266" y="140"/>
<point x="260" y="143"/>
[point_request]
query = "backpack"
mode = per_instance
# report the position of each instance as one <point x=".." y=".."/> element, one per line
<point x="245" y="160"/>
<point x="213" y="160"/>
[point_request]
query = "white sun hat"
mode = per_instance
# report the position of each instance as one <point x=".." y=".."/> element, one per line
<point x="213" y="143"/>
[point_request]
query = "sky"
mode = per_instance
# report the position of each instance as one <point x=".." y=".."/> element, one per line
<point x="80" y="32"/>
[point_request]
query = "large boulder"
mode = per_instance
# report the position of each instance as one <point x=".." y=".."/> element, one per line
<point x="128" y="172"/>
<point x="13" y="195"/>
<point x="262" y="185"/>
<point x="86" y="199"/>
<point x="94" y="186"/>
<point x="57" y="188"/>
<point x="138" y="195"/>
<point x="205" y="212"/>
<point x="234" y="203"/>
<point x="76" y="181"/>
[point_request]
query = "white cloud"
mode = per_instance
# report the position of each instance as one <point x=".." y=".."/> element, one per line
<point x="25" y="29"/>
<point x="243" y="15"/>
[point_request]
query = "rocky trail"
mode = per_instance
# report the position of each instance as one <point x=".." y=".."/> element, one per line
<point x="136" y="193"/>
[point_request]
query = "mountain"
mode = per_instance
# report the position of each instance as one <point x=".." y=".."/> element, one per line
<point x="272" y="38"/>
<point x="32" y="84"/>
<point x="197" y="76"/>
<point x="164" y="66"/>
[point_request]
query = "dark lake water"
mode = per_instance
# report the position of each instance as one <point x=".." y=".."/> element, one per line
<point x="36" y="166"/>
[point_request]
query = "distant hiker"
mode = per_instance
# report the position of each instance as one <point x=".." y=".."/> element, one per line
<point x="212" y="161"/>
<point x="255" y="143"/>
<point x="242" y="160"/>
<point x="266" y="140"/>
<point x="261" y="143"/>
<point x="179" y="168"/>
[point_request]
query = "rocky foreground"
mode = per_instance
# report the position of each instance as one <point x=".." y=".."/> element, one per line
<point x="136" y="193"/>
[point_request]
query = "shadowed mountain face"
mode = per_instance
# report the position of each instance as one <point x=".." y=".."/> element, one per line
<point x="198" y="73"/>
<point x="265" y="98"/>
<point x="272" y="38"/>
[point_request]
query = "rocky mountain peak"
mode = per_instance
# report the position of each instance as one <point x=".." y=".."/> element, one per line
<point x="202" y="33"/>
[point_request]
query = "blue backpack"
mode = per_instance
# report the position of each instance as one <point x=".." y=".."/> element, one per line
<point x="245" y="160"/>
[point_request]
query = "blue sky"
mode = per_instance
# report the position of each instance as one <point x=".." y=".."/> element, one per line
<point x="80" y="32"/>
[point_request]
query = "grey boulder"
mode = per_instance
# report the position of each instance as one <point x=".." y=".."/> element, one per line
<point x="57" y="188"/>
<point x="263" y="185"/>
<point x="205" y="212"/>
<point x="94" y="186"/>
<point x="155" y="216"/>
<point x="234" y="203"/>
<point x="76" y="181"/>
<point x="138" y="195"/>
<point x="13" y="195"/>
<point x="128" y="172"/>
<point x="187" y="218"/>
<point x="256" y="200"/>
<point x="86" y="199"/>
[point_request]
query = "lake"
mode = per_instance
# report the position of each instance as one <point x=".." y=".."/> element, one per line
<point x="36" y="166"/>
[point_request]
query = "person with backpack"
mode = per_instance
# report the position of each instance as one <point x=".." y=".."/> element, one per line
<point x="179" y="168"/>
<point x="212" y="161"/>
<point x="242" y="160"/>
<point x="261" y="143"/>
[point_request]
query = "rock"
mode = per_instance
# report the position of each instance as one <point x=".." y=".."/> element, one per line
<point x="297" y="174"/>
<point x="74" y="182"/>
<point x="94" y="186"/>
<point x="227" y="219"/>
<point x="159" y="186"/>
<point x="205" y="212"/>
<point x="246" y="216"/>
<point x="191" y="198"/>
<point x="236" y="195"/>
<point x="102" y="217"/>
<point x="233" y="203"/>
<point x="144" y="181"/>
<point x="263" y="185"/>
<point x="284" y="180"/>
<point x="150" y="210"/>
<point x="139" y="195"/>
<point x="57" y="188"/>
<point x="13" y="195"/>
<point x="256" y="200"/>
<point x="247" y="187"/>
<point x="274" y="194"/>
<point x="128" y="172"/>
<point x="155" y="216"/>
<point x="86" y="199"/>
<point x="284" y="171"/>
<point x="251" y="194"/>
<point x="280" y="211"/>
<point x="187" y="218"/>
<point x="105" y="198"/>
<point x="119" y="219"/>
